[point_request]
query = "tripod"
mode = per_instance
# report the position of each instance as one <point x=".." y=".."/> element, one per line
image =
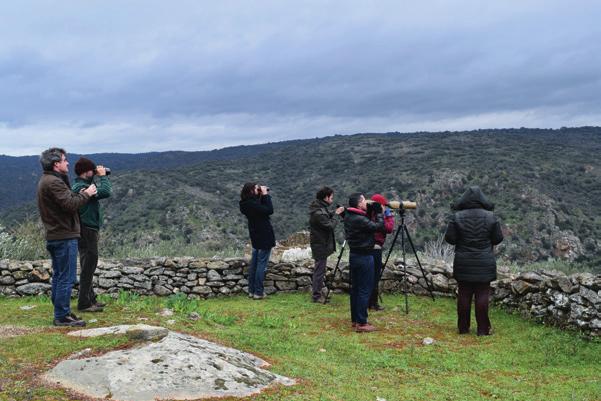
<point x="327" y="299"/>
<point x="402" y="229"/>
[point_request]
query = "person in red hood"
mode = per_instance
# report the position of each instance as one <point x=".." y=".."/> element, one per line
<point x="380" y="238"/>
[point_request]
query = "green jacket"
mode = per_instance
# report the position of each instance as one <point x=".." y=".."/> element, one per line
<point x="91" y="213"/>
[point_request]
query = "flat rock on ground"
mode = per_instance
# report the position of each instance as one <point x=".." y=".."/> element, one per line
<point x="178" y="367"/>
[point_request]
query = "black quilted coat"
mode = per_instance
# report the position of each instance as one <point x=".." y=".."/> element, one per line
<point x="258" y="209"/>
<point x="474" y="230"/>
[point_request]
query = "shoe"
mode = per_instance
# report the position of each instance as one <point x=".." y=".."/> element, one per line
<point x="100" y="304"/>
<point x="250" y="295"/>
<point x="70" y="321"/>
<point x="377" y="307"/>
<point x="365" y="328"/>
<point x="354" y="325"/>
<point x="259" y="296"/>
<point x="91" y="308"/>
<point x="74" y="317"/>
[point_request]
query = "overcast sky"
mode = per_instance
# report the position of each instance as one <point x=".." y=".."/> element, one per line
<point x="137" y="76"/>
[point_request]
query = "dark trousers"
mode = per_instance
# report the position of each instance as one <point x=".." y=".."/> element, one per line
<point x="88" y="259"/>
<point x="64" y="274"/>
<point x="319" y="272"/>
<point x="362" y="281"/>
<point x="373" y="298"/>
<point x="467" y="291"/>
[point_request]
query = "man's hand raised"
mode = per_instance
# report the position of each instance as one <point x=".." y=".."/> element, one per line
<point x="90" y="191"/>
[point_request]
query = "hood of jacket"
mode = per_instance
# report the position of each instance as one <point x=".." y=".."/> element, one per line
<point x="473" y="198"/>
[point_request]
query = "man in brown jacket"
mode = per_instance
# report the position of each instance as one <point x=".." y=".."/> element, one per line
<point x="59" y="207"/>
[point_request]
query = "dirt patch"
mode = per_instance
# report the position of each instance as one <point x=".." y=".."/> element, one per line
<point x="13" y="331"/>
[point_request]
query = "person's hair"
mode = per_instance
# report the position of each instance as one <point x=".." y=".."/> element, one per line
<point x="248" y="190"/>
<point x="353" y="200"/>
<point x="324" y="192"/>
<point x="51" y="156"/>
<point x="83" y="165"/>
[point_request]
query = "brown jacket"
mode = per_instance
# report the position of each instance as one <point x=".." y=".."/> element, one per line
<point x="59" y="207"/>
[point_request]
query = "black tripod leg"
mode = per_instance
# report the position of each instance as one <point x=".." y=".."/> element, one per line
<point x="405" y="281"/>
<point x="391" y="247"/>
<point x="430" y="287"/>
<point x="396" y="235"/>
<point x="327" y="299"/>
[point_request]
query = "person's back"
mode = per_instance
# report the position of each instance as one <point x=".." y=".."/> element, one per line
<point x="257" y="210"/>
<point x="255" y="204"/>
<point x="474" y="230"/>
<point x="58" y="209"/>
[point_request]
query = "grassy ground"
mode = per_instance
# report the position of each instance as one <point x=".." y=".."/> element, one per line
<point x="314" y="343"/>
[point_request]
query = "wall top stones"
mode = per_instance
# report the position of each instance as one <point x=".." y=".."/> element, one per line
<point x="553" y="297"/>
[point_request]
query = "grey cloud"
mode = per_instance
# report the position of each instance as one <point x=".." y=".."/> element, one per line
<point x="104" y="63"/>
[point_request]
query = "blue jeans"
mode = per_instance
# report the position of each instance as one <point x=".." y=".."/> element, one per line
<point x="64" y="274"/>
<point x="362" y="282"/>
<point x="257" y="269"/>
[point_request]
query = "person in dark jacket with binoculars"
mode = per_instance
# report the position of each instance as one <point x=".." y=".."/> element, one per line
<point x="322" y="222"/>
<point x="359" y="231"/>
<point x="474" y="230"/>
<point x="255" y="204"/>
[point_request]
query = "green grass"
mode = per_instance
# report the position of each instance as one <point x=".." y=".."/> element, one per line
<point x="314" y="343"/>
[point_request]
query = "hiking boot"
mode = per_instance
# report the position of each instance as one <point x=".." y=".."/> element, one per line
<point x="259" y="296"/>
<point x="320" y="300"/>
<point x="377" y="308"/>
<point x="100" y="304"/>
<point x="365" y="328"/>
<point x="70" y="321"/>
<point x="91" y="308"/>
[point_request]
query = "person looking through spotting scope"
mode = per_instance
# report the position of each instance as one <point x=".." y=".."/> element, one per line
<point x="322" y="222"/>
<point x="91" y="217"/>
<point x="359" y="231"/>
<point x="255" y="204"/>
<point x="380" y="239"/>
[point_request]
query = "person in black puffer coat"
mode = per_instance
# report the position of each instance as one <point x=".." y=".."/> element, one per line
<point x="474" y="230"/>
<point x="255" y="204"/>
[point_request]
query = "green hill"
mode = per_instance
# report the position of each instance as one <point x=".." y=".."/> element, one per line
<point x="546" y="185"/>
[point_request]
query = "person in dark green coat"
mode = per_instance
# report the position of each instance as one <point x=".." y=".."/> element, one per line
<point x="322" y="222"/>
<point x="91" y="216"/>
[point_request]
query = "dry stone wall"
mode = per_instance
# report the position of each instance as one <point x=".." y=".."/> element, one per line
<point x="547" y="296"/>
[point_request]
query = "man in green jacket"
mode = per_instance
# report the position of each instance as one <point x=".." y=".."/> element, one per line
<point x="91" y="217"/>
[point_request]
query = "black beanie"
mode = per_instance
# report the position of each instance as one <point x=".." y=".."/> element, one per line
<point x="84" y="165"/>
